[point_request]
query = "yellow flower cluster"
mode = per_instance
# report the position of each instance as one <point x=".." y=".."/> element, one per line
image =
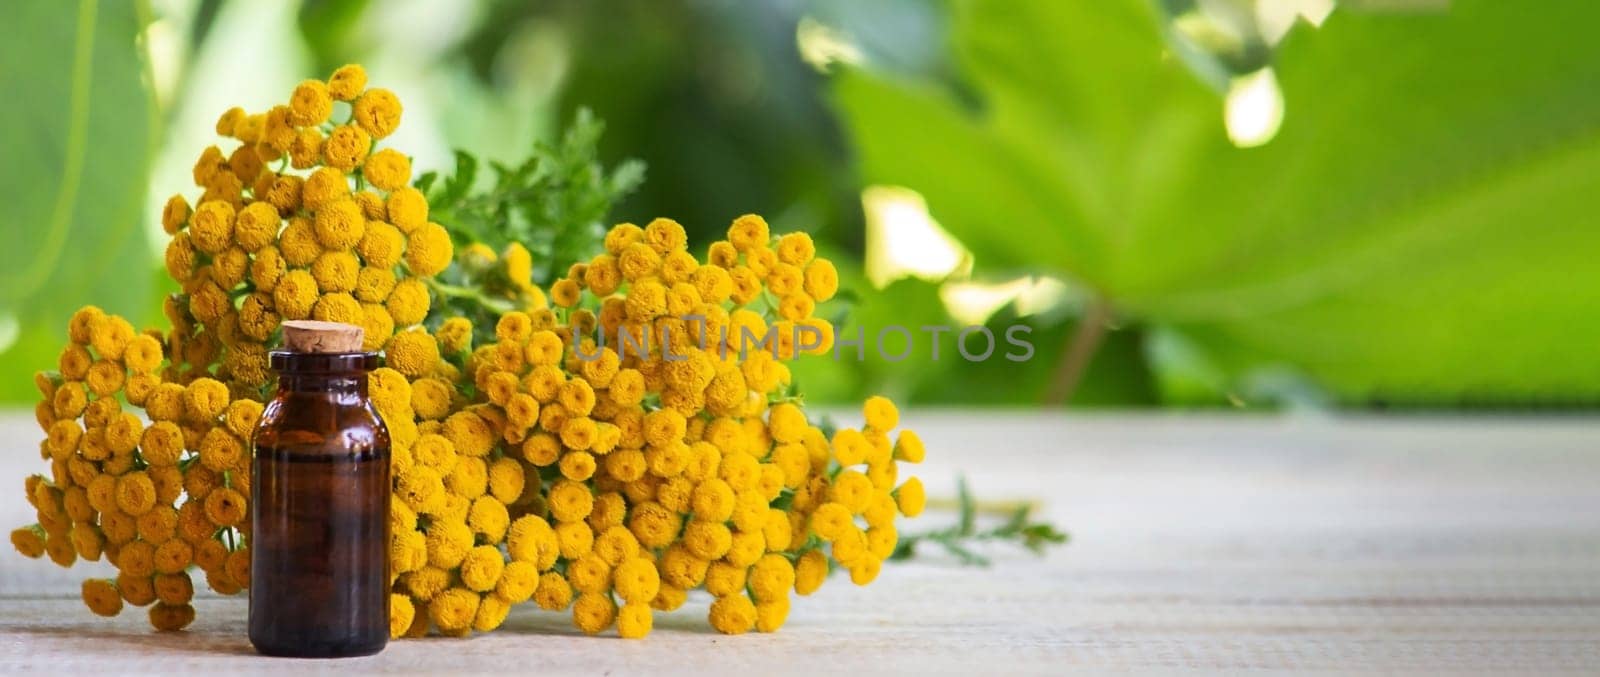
<point x="622" y="441"/>
<point x="645" y="472"/>
<point x="116" y="478"/>
<point x="302" y="218"/>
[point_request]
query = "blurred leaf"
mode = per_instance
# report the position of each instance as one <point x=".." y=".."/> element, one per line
<point x="77" y="130"/>
<point x="329" y="28"/>
<point x="1419" y="228"/>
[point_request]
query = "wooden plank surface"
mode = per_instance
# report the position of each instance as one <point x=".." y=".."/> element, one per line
<point x="1215" y="543"/>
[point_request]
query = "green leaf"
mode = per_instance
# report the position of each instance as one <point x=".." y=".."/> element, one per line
<point x="1417" y="231"/>
<point x="78" y="131"/>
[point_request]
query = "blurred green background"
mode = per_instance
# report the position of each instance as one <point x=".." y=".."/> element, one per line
<point x="1211" y="203"/>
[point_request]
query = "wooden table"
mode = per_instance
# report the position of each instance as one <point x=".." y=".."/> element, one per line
<point x="1216" y="543"/>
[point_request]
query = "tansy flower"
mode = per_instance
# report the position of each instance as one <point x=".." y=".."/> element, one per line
<point x="172" y="556"/>
<point x="426" y="583"/>
<point x="401" y="615"/>
<point x="408" y="302"/>
<point x="570" y="501"/>
<point x="101" y="597"/>
<point x="430" y="399"/>
<point x="565" y="293"/>
<point x="749" y="232"/>
<point x="589" y="574"/>
<point x="492" y="611"/>
<point x="340" y="224"/>
<point x="577" y="465"/>
<point x="481" y="568"/>
<point x="796" y="249"/>
<point x="626" y="465"/>
<point x="29" y="541"/>
<point x="346" y="147"/>
<point x="206" y="167"/>
<point x="634" y="620"/>
<point x="593" y="613"/>
<point x="488" y="517"/>
<point x="324" y="187"/>
<point x="408" y="209"/>
<point x="810" y="570"/>
<point x="821" y="280"/>
<point x="377" y="111"/>
<point x="669" y="599"/>
<point x="453" y="609"/>
<point x="620" y="236"/>
<point x="179" y="257"/>
<point x="880" y="413"/>
<point x="158" y="525"/>
<point x="305" y="149"/>
<point x="135" y="559"/>
<point x="518" y="580"/>
<point x="448" y="543"/>
<point x="681" y="568"/>
<point x="335" y="271"/>
<point x="174" y="214"/>
<point x="373" y="285"/>
<point x="852" y="490"/>
<point x="388" y="169"/>
<point x="831" y="521"/>
<point x="175" y="588"/>
<point x="428" y="250"/>
<point x="135" y="493"/>
<point x="732" y="615"/>
<point x="371" y="205"/>
<point x="707" y="540"/>
<point x="284" y="193"/>
<point x="310" y="104"/>
<point x="665" y="235"/>
<point x="469" y="479"/>
<point x="229" y="121"/>
<point x="637" y="580"/>
<point x="762" y="262"/>
<point x="224" y="506"/>
<point x="553" y="592"/>
<point x="575" y="538"/>
<point x="412" y="353"/>
<point x="347" y="82"/>
<point x="910" y="497"/>
<point x="136" y="590"/>
<point x="277" y="134"/>
<point x="469" y="433"/>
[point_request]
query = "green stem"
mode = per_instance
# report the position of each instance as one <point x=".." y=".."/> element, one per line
<point x="496" y="306"/>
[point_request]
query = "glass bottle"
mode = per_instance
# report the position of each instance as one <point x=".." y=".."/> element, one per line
<point x="320" y="502"/>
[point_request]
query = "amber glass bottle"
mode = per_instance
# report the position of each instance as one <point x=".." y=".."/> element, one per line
<point x="320" y="502"/>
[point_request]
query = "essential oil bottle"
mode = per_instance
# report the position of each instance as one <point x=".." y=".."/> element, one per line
<point x="320" y="502"/>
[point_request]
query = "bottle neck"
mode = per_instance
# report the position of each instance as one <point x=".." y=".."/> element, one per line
<point x="343" y="375"/>
<point x="345" y="385"/>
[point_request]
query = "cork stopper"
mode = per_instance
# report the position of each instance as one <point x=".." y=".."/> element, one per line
<point x="312" y="336"/>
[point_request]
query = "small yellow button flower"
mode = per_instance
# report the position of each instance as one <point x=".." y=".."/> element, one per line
<point x="347" y="82"/>
<point x="428" y="250"/>
<point x="310" y="104"/>
<point x="388" y="170"/>
<point x="910" y="497"/>
<point x="346" y="147"/>
<point x="732" y="615"/>
<point x="634" y="620"/>
<point x="101" y="596"/>
<point x="453" y="609"/>
<point x="377" y="111"/>
<point x="408" y="302"/>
